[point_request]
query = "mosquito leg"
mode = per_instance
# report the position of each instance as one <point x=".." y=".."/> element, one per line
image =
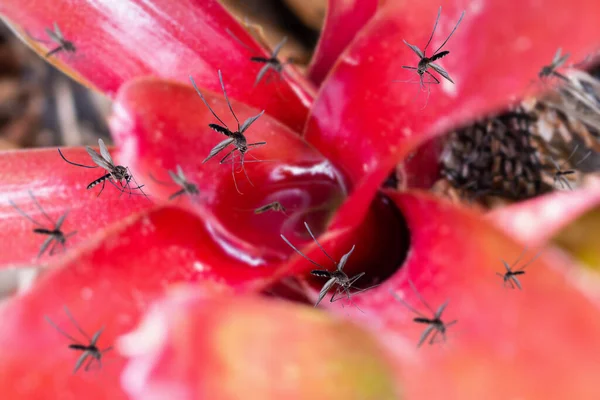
<point x="233" y="176"/>
<point x="245" y="172"/>
<point x="101" y="189"/>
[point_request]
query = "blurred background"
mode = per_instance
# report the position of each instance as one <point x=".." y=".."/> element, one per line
<point x="39" y="106"/>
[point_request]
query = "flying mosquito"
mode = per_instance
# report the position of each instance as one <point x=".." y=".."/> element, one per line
<point x="236" y="138"/>
<point x="57" y="37"/>
<point x="560" y="174"/>
<point x="91" y="351"/>
<point x="510" y="276"/>
<point x="274" y="206"/>
<point x="55" y="235"/>
<point x="180" y="179"/>
<point x="550" y="70"/>
<point x="426" y="62"/>
<point x="436" y="325"/>
<point x="338" y="276"/>
<point x="116" y="173"/>
<point x="271" y="63"/>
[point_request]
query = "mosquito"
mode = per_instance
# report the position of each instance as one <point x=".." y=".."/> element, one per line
<point x="57" y="37"/>
<point x="436" y="325"/>
<point x="116" y="173"/>
<point x="236" y="138"/>
<point x="271" y="63"/>
<point x="55" y="235"/>
<point x="426" y="62"/>
<point x="180" y="179"/>
<point x="550" y="70"/>
<point x="510" y="276"/>
<point x="560" y="174"/>
<point x="91" y="351"/>
<point x="274" y="206"/>
<point x="339" y="277"/>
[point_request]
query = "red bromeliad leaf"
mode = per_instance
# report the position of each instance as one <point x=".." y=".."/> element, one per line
<point x="118" y="41"/>
<point x="539" y="342"/>
<point x="192" y="346"/>
<point x="343" y="20"/>
<point x="365" y="123"/>
<point x="58" y="187"/>
<point x="155" y="139"/>
<point x="109" y="284"/>
<point x="535" y="221"/>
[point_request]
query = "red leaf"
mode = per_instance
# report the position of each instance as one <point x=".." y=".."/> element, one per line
<point x="118" y="41"/>
<point x="363" y="122"/>
<point x="155" y="138"/>
<point x="539" y="342"/>
<point x="343" y="20"/>
<point x="192" y="346"/>
<point x="109" y="284"/>
<point x="58" y="188"/>
<point x="536" y="221"/>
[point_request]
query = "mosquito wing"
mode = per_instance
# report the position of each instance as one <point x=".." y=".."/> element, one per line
<point x="279" y="46"/>
<point x="250" y="121"/>
<point x="425" y="334"/>
<point x="98" y="160"/>
<point x="441" y="71"/>
<point x="516" y="282"/>
<point x="178" y="178"/>
<point x="440" y="310"/>
<point x="262" y="73"/>
<point x="218" y="148"/>
<point x="104" y="152"/>
<point x="81" y="360"/>
<point x="325" y="289"/>
<point x="344" y="259"/>
<point x="415" y="49"/>
<point x="96" y="336"/>
<point x="561" y="60"/>
<point x="54" y="36"/>
<point x="61" y="220"/>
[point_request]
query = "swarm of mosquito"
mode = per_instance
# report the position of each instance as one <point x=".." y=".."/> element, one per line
<point x="56" y="237"/>
<point x="235" y="138"/>
<point x="425" y="62"/>
<point x="115" y="173"/>
<point x="435" y="324"/>
<point x="91" y="352"/>
<point x="337" y="277"/>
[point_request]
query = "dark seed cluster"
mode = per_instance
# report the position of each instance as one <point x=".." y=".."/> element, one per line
<point x="495" y="156"/>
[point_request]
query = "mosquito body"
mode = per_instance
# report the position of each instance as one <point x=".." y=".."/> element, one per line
<point x="435" y="325"/>
<point x="56" y="237"/>
<point x="91" y="352"/>
<point x="425" y="62"/>
<point x="337" y="277"/>
<point x="235" y="138"/>
<point x="271" y="63"/>
<point x="560" y="174"/>
<point x="57" y="37"/>
<point x="179" y="178"/>
<point x="510" y="276"/>
<point x="550" y="70"/>
<point x="115" y="173"/>
<point x="274" y="206"/>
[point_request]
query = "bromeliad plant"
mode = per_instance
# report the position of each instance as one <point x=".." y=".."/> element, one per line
<point x="328" y="151"/>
